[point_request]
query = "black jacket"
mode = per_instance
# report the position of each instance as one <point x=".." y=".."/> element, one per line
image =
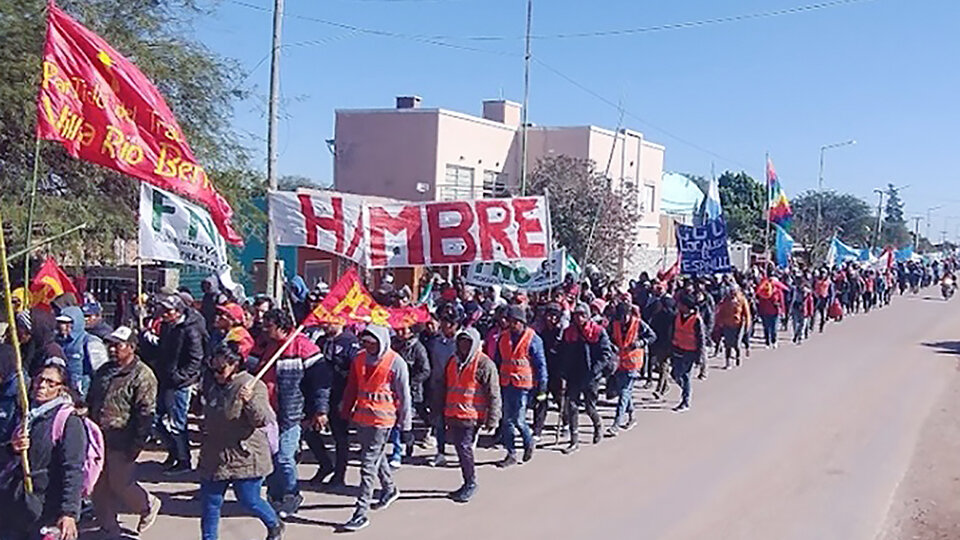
<point x="57" y="471"/>
<point x="585" y="362"/>
<point x="338" y="353"/>
<point x="413" y="351"/>
<point x="178" y="356"/>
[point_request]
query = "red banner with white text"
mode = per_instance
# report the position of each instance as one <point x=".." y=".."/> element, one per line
<point x="389" y="234"/>
<point x="103" y="109"/>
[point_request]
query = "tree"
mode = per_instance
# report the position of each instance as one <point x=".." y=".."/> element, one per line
<point x="845" y="215"/>
<point x="587" y="212"/>
<point x="895" y="230"/>
<point x="743" y="201"/>
<point x="291" y="182"/>
<point x="200" y="87"/>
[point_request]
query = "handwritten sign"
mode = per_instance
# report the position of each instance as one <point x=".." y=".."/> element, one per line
<point x="703" y="249"/>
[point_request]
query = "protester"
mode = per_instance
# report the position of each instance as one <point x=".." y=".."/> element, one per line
<point x="523" y="370"/>
<point x="469" y="399"/>
<point x="630" y="337"/>
<point x="552" y="337"/>
<point x="36" y="331"/>
<point x="587" y="356"/>
<point x="733" y="316"/>
<point x="10" y="410"/>
<point x="123" y="402"/>
<point x="84" y="353"/>
<point x="408" y="346"/>
<point x="176" y="354"/>
<point x="283" y="380"/>
<point x="440" y="348"/>
<point x="235" y="450"/>
<point x="228" y="328"/>
<point x="56" y="462"/>
<point x="93" y="320"/>
<point x="376" y="399"/>
<point x="689" y="347"/>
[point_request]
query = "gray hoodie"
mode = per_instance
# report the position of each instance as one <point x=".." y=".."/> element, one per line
<point x="487" y="379"/>
<point x="399" y="377"/>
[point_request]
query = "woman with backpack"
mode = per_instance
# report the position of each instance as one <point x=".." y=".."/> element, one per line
<point x="235" y="449"/>
<point x="55" y="439"/>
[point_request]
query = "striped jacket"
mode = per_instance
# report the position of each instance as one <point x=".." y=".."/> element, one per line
<point x="283" y="379"/>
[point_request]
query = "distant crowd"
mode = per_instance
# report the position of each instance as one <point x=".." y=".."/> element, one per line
<point x="490" y="360"/>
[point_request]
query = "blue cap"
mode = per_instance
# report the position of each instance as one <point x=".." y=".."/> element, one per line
<point x="91" y="308"/>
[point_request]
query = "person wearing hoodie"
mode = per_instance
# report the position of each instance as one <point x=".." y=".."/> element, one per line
<point x="93" y="320"/>
<point x="630" y="336"/>
<point x="176" y="353"/>
<point x="440" y="348"/>
<point x="375" y="399"/>
<point x="407" y="345"/>
<point x="36" y="330"/>
<point x="587" y="356"/>
<point x="523" y="370"/>
<point x="83" y="352"/>
<point x="210" y="300"/>
<point x="469" y="399"/>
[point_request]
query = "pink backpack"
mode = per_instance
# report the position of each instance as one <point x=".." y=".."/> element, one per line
<point x="93" y="461"/>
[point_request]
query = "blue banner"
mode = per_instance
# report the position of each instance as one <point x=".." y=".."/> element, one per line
<point x="703" y="249"/>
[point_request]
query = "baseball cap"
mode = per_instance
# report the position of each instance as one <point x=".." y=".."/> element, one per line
<point x="173" y="302"/>
<point x="517" y="313"/>
<point x="64" y="319"/>
<point x="91" y="308"/>
<point x="231" y="310"/>
<point x="122" y="334"/>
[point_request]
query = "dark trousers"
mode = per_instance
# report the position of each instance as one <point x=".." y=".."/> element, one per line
<point x="540" y="409"/>
<point x="117" y="489"/>
<point x="681" y="363"/>
<point x="463" y="439"/>
<point x="585" y="394"/>
<point x="341" y="444"/>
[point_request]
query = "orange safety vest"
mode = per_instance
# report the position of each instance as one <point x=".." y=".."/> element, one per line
<point x="375" y="405"/>
<point x="515" y="368"/>
<point x="464" y="400"/>
<point x="684" y="333"/>
<point x="630" y="360"/>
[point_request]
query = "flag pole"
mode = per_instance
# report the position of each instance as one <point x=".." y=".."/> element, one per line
<point x="766" y="206"/>
<point x="139" y="302"/>
<point x="33" y="206"/>
<point x="276" y="356"/>
<point x="15" y="341"/>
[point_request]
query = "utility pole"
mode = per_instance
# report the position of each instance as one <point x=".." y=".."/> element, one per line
<point x="271" y="256"/>
<point x="879" y="192"/>
<point x="526" y="102"/>
<point x="916" y="232"/>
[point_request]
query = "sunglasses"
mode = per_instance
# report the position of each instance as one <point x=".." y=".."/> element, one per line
<point x="49" y="382"/>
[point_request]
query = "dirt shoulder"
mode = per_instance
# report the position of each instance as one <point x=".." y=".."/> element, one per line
<point x="926" y="505"/>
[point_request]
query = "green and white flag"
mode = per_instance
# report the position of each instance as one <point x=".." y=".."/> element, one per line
<point x="175" y="230"/>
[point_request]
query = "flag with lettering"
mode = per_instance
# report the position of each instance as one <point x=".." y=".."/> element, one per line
<point x="349" y="302"/>
<point x="102" y="109"/>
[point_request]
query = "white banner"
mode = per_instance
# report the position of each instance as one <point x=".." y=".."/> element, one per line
<point x="324" y="220"/>
<point x="381" y="233"/>
<point x="175" y="230"/>
<point x="530" y="277"/>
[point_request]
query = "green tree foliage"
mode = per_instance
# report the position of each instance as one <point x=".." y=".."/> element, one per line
<point x="743" y="201"/>
<point x="199" y="86"/>
<point x="583" y="201"/>
<point x="847" y="216"/>
<point x="895" y="230"/>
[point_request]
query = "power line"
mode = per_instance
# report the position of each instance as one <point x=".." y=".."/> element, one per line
<point x="618" y="106"/>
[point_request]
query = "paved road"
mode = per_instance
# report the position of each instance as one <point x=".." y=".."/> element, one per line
<point x="800" y="443"/>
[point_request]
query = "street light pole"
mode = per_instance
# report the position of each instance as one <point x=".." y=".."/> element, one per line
<point x="879" y="192"/>
<point x="823" y="149"/>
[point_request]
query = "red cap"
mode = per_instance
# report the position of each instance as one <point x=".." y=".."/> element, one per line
<point x="232" y="310"/>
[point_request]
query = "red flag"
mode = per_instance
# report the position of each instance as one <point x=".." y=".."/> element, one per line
<point x="103" y="109"/>
<point x="671" y="272"/>
<point x="49" y="283"/>
<point x="350" y="302"/>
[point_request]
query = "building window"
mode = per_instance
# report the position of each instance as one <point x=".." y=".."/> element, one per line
<point x="457" y="185"/>
<point x="317" y="271"/>
<point x="495" y="184"/>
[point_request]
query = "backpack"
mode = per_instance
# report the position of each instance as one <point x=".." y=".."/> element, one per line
<point x="95" y="454"/>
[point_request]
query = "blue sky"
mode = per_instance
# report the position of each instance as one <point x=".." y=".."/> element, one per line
<point x="878" y="71"/>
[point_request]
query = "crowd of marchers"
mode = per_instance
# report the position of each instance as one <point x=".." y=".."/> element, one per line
<point x="491" y="361"/>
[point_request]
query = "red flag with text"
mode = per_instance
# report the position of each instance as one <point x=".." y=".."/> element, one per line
<point x="49" y="283"/>
<point x="102" y="109"/>
<point x="349" y="302"/>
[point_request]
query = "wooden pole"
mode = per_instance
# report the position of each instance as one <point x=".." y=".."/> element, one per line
<point x="139" y="302"/>
<point x="33" y="206"/>
<point x="15" y="341"/>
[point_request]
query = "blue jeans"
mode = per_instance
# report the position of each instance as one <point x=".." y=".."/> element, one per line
<point x="515" y="417"/>
<point x="680" y="365"/>
<point x="624" y="381"/>
<point x="396" y="452"/>
<point x="283" y="480"/>
<point x="770" y="328"/>
<point x="171" y="423"/>
<point x="247" y="492"/>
